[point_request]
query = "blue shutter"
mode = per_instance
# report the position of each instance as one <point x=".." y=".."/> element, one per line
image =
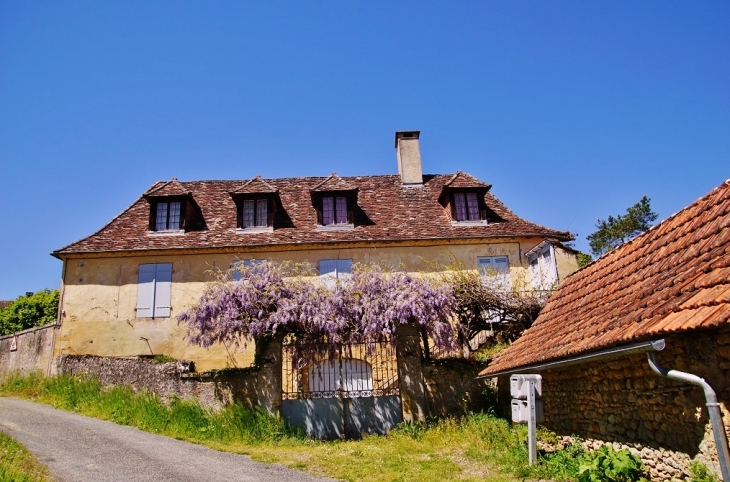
<point x="163" y="288"/>
<point x="145" y="290"/>
<point x="344" y="266"/>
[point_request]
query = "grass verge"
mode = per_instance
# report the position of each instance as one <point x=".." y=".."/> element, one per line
<point x="477" y="447"/>
<point x="19" y="465"/>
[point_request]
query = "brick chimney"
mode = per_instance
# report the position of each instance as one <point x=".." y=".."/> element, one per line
<point x="409" y="157"/>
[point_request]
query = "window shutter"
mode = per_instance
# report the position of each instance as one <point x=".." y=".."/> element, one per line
<point x="550" y="268"/>
<point x="145" y="290"/>
<point x="163" y="288"/>
<point x="484" y="264"/>
<point x="344" y="268"/>
<point x="328" y="267"/>
<point x="184" y="213"/>
<point x="272" y="206"/>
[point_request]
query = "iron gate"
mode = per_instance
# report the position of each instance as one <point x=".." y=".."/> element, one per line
<point x="342" y="391"/>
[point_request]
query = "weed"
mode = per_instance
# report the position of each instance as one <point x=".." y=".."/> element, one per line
<point x="700" y="473"/>
<point x="19" y="465"/>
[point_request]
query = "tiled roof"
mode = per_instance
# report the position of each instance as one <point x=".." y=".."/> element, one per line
<point x="255" y="186"/>
<point x="673" y="278"/>
<point x="4" y="303"/>
<point x="385" y="211"/>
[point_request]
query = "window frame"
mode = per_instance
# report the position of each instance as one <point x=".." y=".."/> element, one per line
<point x="349" y="210"/>
<point x="480" y="207"/>
<point x="168" y="200"/>
<point x="256" y="198"/>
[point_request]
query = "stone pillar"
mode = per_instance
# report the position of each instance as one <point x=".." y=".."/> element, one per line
<point x="410" y="373"/>
<point x="269" y="377"/>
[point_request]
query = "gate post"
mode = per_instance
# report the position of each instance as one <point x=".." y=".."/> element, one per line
<point x="410" y="373"/>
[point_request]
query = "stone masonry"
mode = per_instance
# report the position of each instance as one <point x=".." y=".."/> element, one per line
<point x="622" y="402"/>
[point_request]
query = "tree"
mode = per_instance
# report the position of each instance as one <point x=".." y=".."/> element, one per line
<point x="615" y="231"/>
<point x="28" y="311"/>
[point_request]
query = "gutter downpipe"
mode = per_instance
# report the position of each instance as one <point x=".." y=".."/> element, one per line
<point x="713" y="409"/>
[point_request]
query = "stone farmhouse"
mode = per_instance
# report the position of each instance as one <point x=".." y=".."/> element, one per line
<point x="123" y="285"/>
<point x="613" y="337"/>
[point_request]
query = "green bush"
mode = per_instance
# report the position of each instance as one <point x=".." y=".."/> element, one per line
<point x="700" y="473"/>
<point x="25" y="312"/>
<point x="609" y="465"/>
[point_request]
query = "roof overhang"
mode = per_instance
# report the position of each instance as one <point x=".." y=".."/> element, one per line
<point x="606" y="354"/>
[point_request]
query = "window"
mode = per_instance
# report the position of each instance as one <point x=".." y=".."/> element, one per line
<point x="543" y="269"/>
<point x="248" y="263"/>
<point x="331" y="270"/>
<point x="167" y="215"/>
<point x="334" y="210"/>
<point x="466" y="206"/>
<point x="495" y="270"/>
<point x="255" y="213"/>
<point x="153" y="290"/>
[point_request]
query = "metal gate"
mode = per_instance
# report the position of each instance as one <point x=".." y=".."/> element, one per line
<point x="340" y="392"/>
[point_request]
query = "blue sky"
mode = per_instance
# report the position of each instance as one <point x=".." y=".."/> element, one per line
<point x="572" y="110"/>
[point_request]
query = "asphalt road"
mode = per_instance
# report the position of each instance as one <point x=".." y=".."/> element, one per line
<point x="83" y="449"/>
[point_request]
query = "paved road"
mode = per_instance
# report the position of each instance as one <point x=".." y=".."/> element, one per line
<point x="83" y="449"/>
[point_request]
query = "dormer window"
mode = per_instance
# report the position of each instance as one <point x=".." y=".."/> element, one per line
<point x="167" y="214"/>
<point x="466" y="206"/>
<point x="334" y="210"/>
<point x="334" y="199"/>
<point x="256" y="202"/>
<point x="255" y="212"/>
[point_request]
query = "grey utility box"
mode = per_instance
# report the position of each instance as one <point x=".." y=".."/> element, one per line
<point x="519" y="385"/>
<point x="521" y="411"/>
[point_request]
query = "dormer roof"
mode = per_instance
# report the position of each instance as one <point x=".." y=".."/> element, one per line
<point x="167" y="188"/>
<point x="255" y="186"/>
<point x="464" y="180"/>
<point x="334" y="183"/>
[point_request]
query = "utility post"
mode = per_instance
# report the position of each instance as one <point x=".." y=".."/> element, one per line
<point x="527" y="407"/>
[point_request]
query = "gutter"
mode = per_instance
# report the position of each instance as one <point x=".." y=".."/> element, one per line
<point x="713" y="410"/>
<point x="641" y="347"/>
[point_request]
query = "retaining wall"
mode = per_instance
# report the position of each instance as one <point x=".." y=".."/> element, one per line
<point x="27" y="351"/>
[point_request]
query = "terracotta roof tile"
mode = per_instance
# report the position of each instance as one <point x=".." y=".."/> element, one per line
<point x="464" y="180"/>
<point x="673" y="278"/>
<point x="386" y="211"/>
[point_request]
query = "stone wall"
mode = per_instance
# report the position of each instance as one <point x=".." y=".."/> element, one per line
<point x="452" y="388"/>
<point x="252" y="387"/>
<point x="26" y="351"/>
<point x="623" y="402"/>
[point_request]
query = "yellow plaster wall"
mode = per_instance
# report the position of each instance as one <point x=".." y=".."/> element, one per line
<point x="100" y="295"/>
<point x="567" y="263"/>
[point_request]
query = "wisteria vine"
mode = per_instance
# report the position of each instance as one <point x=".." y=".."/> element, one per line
<point x="364" y="308"/>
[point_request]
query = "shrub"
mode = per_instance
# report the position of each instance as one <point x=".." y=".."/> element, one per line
<point x="609" y="465"/>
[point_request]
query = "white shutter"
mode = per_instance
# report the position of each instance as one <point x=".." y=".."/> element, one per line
<point x="550" y="270"/>
<point x="163" y="288"/>
<point x="535" y="278"/>
<point x="145" y="290"/>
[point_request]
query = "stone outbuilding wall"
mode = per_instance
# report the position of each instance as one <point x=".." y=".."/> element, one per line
<point x="621" y="401"/>
<point x="27" y="351"/>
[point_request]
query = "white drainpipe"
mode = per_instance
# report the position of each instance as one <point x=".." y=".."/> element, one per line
<point x="713" y="409"/>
